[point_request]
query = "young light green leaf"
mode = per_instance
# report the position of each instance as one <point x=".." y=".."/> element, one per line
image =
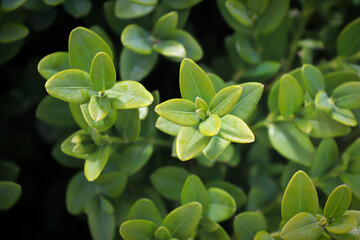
<point x="9" y="194"/>
<point x="238" y="11"/>
<point x="96" y="162"/>
<point x="344" y="116"/>
<point x="302" y="226"/>
<point x="210" y="126"/>
<point x="162" y="233"/>
<point x="300" y="196"/>
<point x="342" y="225"/>
<point x="128" y="124"/>
<point x="136" y="66"/>
<point x="53" y="63"/>
<point x="183" y="221"/>
<point x="168" y="181"/>
<point x="338" y="202"/>
<point x="201" y="104"/>
<point x="348" y="42"/>
<point x="179" y="111"/>
<point x="165" y="25"/>
<point x="136" y="39"/>
<point x="292" y="143"/>
<point x="353" y="234"/>
<point x="99" y="107"/>
<point x="70" y="86"/>
<point x="111" y="184"/>
<point x="102" y="72"/>
<point x="129" y="94"/>
<point x="225" y="100"/>
<point x="347" y="95"/>
<point x="234" y="129"/>
<point x="138" y="230"/>
<point x="190" y="142"/>
<point x="313" y="79"/>
<point x="145" y="209"/>
<point x="325" y="157"/>
<point x="101" y="125"/>
<point x="263" y="235"/>
<point x="323" y="102"/>
<point x="222" y="205"/>
<point x="194" y="82"/>
<point x="170" y="48"/>
<point x="127" y="9"/>
<point x="248" y="100"/>
<point x="167" y="127"/>
<point x="291" y="96"/>
<point x="247" y="224"/>
<point x="215" y="148"/>
<point x="303" y="124"/>
<point x="192" y="48"/>
<point x="83" y="46"/>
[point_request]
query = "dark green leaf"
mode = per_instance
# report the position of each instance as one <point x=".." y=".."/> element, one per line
<point x="325" y="157"/>
<point x="247" y="224"/>
<point x="291" y="96"/>
<point x="192" y="48"/>
<point x="239" y="12"/>
<point x="9" y="194"/>
<point x="138" y="230"/>
<point x="181" y="4"/>
<point x="111" y="184"/>
<point x="313" y="79"/>
<point x="12" y="31"/>
<point x="166" y="25"/>
<point x="348" y="42"/>
<point x="127" y="9"/>
<point x="128" y="124"/>
<point x="335" y="79"/>
<point x="273" y="16"/>
<point x="170" y="48"/>
<point x="79" y="8"/>
<point x="145" y="209"/>
<point x="222" y="205"/>
<point x="347" y="95"/>
<point x="195" y="191"/>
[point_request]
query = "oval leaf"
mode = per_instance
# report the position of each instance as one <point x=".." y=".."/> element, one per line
<point x="291" y="96"/>
<point x="188" y="149"/>
<point x="102" y="73"/>
<point x="195" y="191"/>
<point x="225" y="100"/>
<point x="302" y="226"/>
<point x="222" y="205"/>
<point x="210" y="126"/>
<point x="234" y="129"/>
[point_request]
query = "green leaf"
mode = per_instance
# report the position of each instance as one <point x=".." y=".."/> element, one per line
<point x="53" y="63"/>
<point x="273" y="16"/>
<point x="313" y="79"/>
<point x="70" y="86"/>
<point x="133" y="158"/>
<point x="302" y="226"/>
<point x="352" y="180"/>
<point x="222" y="205"/>
<point x="353" y="213"/>
<point x="323" y="102"/>
<point x="9" y="194"/>
<point x="217" y="82"/>
<point x="136" y="39"/>
<point x="8" y="171"/>
<point x="175" y="4"/>
<point x="96" y="162"/>
<point x="291" y="96"/>
<point x="101" y="125"/>
<point x="127" y="9"/>
<point x="53" y="2"/>
<point x="225" y="100"/>
<point x="194" y="82"/>
<point x="201" y="104"/>
<point x="179" y="111"/>
<point x="78" y="193"/>
<point x="68" y="145"/>
<point x="99" y="107"/>
<point x="347" y="95"/>
<point x="54" y="112"/>
<point x="145" y="2"/>
<point x="210" y="126"/>
<point x="342" y="225"/>
<point x="338" y="202"/>
<point x="344" y="116"/>
<point x="215" y="148"/>
<point x="165" y="25"/>
<point x="325" y="157"/>
<point x="182" y="221"/>
<point x="101" y="219"/>
<point x="162" y="233"/>
<point x="145" y="209"/>
<point x="11" y="5"/>
<point x="192" y="48"/>
<point x="246" y="48"/>
<point x="168" y="181"/>
<point x="111" y="184"/>
<point x="79" y="8"/>
<point x="258" y="6"/>
<point x="239" y="12"/>
<point x="300" y="196"/>
<point x="138" y="230"/>
<point x="236" y="192"/>
<point x="195" y="191"/>
<point x="353" y="234"/>
<point x="248" y="100"/>
<point x="128" y="124"/>
<point x="102" y="73"/>
<point x="10" y="50"/>
<point x="170" y="48"/>
<point x="335" y="79"/>
<point x="234" y="129"/>
<point x="303" y="124"/>
<point x="135" y="66"/>
<point x="262" y="71"/>
<point x="348" y="42"/>
<point x="247" y="224"/>
<point x="263" y="235"/>
<point x="290" y="142"/>
<point x="12" y="31"/>
<point x="167" y="127"/>
<point x="129" y="94"/>
<point x="83" y="46"/>
<point x="190" y="142"/>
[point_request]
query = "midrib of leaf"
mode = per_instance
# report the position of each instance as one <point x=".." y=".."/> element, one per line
<point x="225" y="101"/>
<point x="348" y="96"/>
<point x="337" y="202"/>
<point x="181" y="223"/>
<point x="245" y="98"/>
<point x="138" y="234"/>
<point x="193" y="80"/>
<point x="84" y="46"/>
<point x="178" y="112"/>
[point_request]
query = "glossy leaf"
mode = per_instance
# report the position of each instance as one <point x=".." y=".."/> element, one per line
<point x="234" y="129"/>
<point x="165" y="25"/>
<point x="162" y="233"/>
<point x="136" y="39"/>
<point x="323" y="102"/>
<point x="302" y="226"/>
<point x="215" y="148"/>
<point x="112" y="184"/>
<point x="12" y="31"/>
<point x="101" y="125"/>
<point x="338" y="202"/>
<point x="83" y="46"/>
<point x="127" y="9"/>
<point x="182" y="221"/>
<point x="313" y="79"/>
<point x="344" y="116"/>
<point x="9" y="194"/>
<point x="129" y="94"/>
<point x="291" y="96"/>
<point x="102" y="73"/>
<point x="189" y="149"/>
<point x="300" y="196"/>
<point x="99" y="107"/>
<point x="347" y="95"/>
<point x="145" y="209"/>
<point x="348" y="42"/>
<point x="239" y="12"/>
<point x="210" y="126"/>
<point x="179" y="111"/>
<point x="325" y="157"/>
<point x="247" y="49"/>
<point x="247" y="224"/>
<point x="258" y="6"/>
<point x="194" y="82"/>
<point x="167" y="127"/>
<point x="292" y="143"/>
<point x="352" y="180"/>
<point x="53" y="63"/>
<point x="263" y="235"/>
<point x="222" y="205"/>
<point x="225" y="100"/>
<point x="138" y="230"/>
<point x="195" y="191"/>
<point x="170" y="48"/>
<point x="70" y="86"/>
<point x="95" y="163"/>
<point x="342" y="225"/>
<point x="192" y="48"/>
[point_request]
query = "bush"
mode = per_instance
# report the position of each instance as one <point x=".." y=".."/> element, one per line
<point x="262" y="142"/>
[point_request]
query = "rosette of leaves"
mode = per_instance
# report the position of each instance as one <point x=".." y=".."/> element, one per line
<point x="141" y="50"/>
<point x="203" y="120"/>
